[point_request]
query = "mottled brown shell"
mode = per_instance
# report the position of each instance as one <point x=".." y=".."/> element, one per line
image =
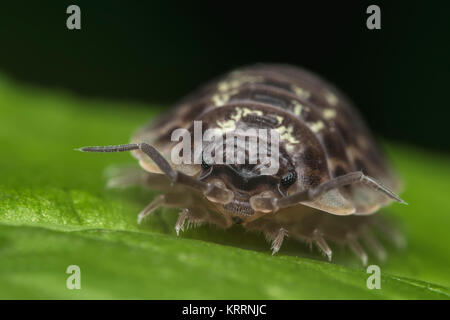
<point x="319" y="127"/>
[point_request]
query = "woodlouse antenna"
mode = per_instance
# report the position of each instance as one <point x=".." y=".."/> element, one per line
<point x="213" y="192"/>
<point x="118" y="148"/>
<point x="266" y="204"/>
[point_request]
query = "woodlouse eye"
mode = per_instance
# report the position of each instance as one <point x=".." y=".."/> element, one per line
<point x="289" y="178"/>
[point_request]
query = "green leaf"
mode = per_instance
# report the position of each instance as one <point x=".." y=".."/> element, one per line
<point x="55" y="211"/>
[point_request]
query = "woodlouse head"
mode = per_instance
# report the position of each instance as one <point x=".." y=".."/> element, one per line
<point x="245" y="181"/>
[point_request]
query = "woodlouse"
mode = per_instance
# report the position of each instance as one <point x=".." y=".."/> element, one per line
<point x="332" y="175"/>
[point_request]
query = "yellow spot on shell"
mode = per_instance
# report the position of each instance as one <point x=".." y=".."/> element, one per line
<point x="247" y="111"/>
<point x="297" y="107"/>
<point x="302" y="93"/>
<point x="227" y="125"/>
<point x="237" y="115"/>
<point x="279" y="119"/>
<point x="329" y="114"/>
<point x="219" y="99"/>
<point x="286" y="134"/>
<point x="223" y="86"/>
<point x="236" y="82"/>
<point x="289" y="147"/>
<point x="331" y="98"/>
<point x="228" y="88"/>
<point x="316" y="126"/>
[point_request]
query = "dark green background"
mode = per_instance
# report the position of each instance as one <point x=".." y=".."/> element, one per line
<point x="157" y="51"/>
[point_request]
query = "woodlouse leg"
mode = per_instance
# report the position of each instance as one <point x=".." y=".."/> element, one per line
<point x="269" y="204"/>
<point x="168" y="200"/>
<point x="194" y="215"/>
<point x="126" y="177"/>
<point x="213" y="192"/>
<point x="278" y="240"/>
<point x="132" y="177"/>
<point x="391" y="234"/>
<point x="322" y="244"/>
<point x="357" y="249"/>
<point x="374" y="245"/>
<point x="181" y="220"/>
<point x="152" y="206"/>
<point x="272" y="231"/>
